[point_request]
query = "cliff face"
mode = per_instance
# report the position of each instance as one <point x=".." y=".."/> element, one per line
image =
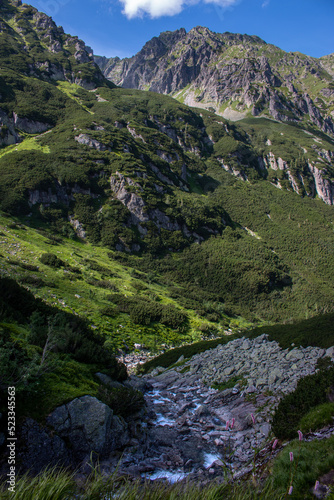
<point x="32" y="44"/>
<point x="234" y="74"/>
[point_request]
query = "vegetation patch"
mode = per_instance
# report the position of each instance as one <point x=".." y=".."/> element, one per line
<point x="298" y="473"/>
<point x="311" y="391"/>
<point x="317" y="418"/>
<point x="228" y="384"/>
<point x="317" y="332"/>
<point x="28" y="144"/>
<point x="123" y="401"/>
<point x="51" y="357"/>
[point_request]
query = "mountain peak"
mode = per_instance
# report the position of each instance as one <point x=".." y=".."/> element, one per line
<point x="237" y="75"/>
<point x="52" y="54"/>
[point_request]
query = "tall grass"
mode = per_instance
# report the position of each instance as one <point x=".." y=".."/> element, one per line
<point x="51" y="484"/>
<point x="60" y="485"/>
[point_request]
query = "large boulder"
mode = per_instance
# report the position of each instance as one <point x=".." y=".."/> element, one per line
<point x="89" y="425"/>
<point x="139" y="384"/>
<point x="38" y="449"/>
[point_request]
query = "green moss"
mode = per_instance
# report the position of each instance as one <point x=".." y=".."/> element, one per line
<point x="229" y="383"/>
<point x="317" y="418"/>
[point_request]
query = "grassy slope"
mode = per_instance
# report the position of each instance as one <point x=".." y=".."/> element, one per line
<point x="21" y="244"/>
<point x="287" y="275"/>
<point x="294" y="240"/>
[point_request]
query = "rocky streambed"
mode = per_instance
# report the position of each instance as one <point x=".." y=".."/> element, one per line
<point x="187" y="428"/>
<point x="192" y="430"/>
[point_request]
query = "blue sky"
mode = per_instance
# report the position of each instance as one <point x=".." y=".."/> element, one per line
<point x="121" y="27"/>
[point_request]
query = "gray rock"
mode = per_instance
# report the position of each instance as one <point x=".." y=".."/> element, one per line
<point x="251" y="389"/>
<point x="138" y="384"/>
<point x="261" y="382"/>
<point x="89" y="425"/>
<point x="29" y="126"/>
<point x="265" y="429"/>
<point x="202" y="411"/>
<point x="229" y="370"/>
<point x="274" y="376"/>
<point x="295" y="354"/>
<point x="86" y="140"/>
<point x="156" y="371"/>
<point x="246" y="345"/>
<point x="38" y="449"/>
<point x="330" y="352"/>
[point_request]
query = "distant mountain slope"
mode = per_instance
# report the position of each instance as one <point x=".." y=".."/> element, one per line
<point x="236" y="75"/>
<point x="33" y="45"/>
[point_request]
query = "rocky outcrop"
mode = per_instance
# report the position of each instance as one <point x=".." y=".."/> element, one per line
<point x="58" y="194"/>
<point x="77" y="226"/>
<point x="86" y="140"/>
<point x="135" y="135"/>
<point x="139" y="211"/>
<point x="21" y="21"/>
<point x="8" y="134"/>
<point x="134" y="203"/>
<point x="324" y="186"/>
<point x="311" y="179"/>
<point x="218" y="70"/>
<point x="84" y="428"/>
<point x="88" y="426"/>
<point x="40" y="449"/>
<point x="239" y="173"/>
<point x="29" y="126"/>
<point x="11" y="125"/>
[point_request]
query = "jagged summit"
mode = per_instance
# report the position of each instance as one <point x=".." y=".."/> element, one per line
<point x="34" y="45"/>
<point x="236" y="75"/>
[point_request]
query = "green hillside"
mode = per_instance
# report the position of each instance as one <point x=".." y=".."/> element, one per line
<point x="131" y="223"/>
<point x="170" y="202"/>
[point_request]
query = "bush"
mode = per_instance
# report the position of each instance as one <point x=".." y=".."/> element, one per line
<point x="49" y="259"/>
<point x="144" y="311"/>
<point x="33" y="281"/>
<point x="72" y="269"/>
<point x="95" y="266"/>
<point x="123" y="401"/>
<point x="310" y="392"/>
<point x="111" y="311"/>
<point x="107" y="285"/>
<point x="317" y="417"/>
<point x="317" y="331"/>
<point x="171" y="316"/>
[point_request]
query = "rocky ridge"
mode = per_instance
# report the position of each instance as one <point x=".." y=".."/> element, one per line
<point x="55" y="55"/>
<point x="233" y="74"/>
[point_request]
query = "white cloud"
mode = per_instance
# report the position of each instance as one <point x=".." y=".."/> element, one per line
<point x="155" y="8"/>
<point x="158" y="8"/>
<point x="222" y="3"/>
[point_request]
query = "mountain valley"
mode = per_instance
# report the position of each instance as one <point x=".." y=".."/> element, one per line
<point x="169" y="204"/>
